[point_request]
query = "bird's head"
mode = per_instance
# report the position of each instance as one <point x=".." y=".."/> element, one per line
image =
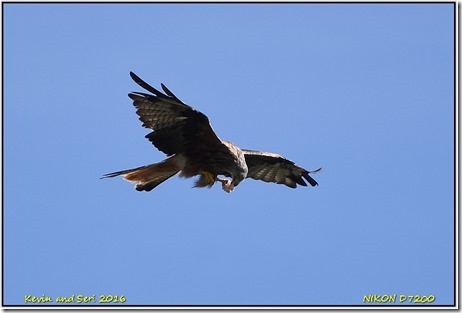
<point x="238" y="178"/>
<point x="238" y="169"/>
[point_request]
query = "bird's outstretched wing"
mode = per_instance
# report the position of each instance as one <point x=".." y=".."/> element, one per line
<point x="177" y="127"/>
<point x="272" y="167"/>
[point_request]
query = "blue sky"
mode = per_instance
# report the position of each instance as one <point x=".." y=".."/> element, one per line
<point x="364" y="90"/>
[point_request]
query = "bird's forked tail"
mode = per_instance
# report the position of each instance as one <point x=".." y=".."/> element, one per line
<point x="150" y="176"/>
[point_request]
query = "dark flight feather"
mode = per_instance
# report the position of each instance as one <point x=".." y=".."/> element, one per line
<point x="272" y="167"/>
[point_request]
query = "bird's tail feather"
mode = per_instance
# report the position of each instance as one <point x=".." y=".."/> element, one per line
<point x="150" y="176"/>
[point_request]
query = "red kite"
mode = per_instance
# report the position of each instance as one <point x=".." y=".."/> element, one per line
<point x="186" y="137"/>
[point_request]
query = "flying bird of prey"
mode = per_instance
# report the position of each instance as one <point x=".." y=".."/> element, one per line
<point x="186" y="137"/>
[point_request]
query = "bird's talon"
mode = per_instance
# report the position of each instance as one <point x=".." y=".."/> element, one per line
<point x="227" y="185"/>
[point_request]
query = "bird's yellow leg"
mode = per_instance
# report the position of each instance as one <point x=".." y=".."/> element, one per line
<point x="210" y="179"/>
<point x="209" y="176"/>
